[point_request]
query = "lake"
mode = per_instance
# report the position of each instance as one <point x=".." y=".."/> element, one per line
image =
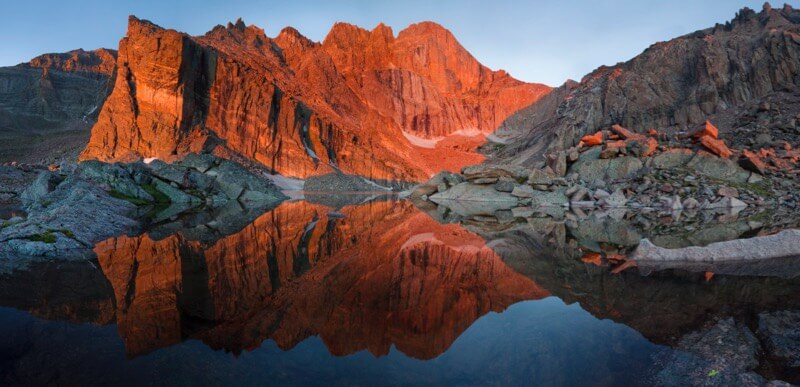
<point x="364" y="291"/>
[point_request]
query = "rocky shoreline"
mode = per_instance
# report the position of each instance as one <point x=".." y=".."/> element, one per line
<point x="66" y="211"/>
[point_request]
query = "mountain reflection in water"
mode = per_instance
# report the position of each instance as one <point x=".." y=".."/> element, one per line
<point x="382" y="276"/>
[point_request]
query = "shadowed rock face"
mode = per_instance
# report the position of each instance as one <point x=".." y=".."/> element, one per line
<point x="677" y="84"/>
<point x="365" y="102"/>
<point x="52" y="97"/>
<point x="384" y="274"/>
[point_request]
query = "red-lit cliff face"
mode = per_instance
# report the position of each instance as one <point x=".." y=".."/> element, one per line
<point x="385" y="274"/>
<point x="100" y="61"/>
<point x="365" y="102"/>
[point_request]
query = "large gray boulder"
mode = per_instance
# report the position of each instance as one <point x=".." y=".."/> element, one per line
<point x="174" y="194"/>
<point x="45" y="183"/>
<point x="772" y="255"/>
<point x="619" y="168"/>
<point x="116" y="177"/>
<point x="235" y="180"/>
<point x="74" y="216"/>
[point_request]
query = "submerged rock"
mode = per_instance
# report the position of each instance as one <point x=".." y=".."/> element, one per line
<point x="781" y="334"/>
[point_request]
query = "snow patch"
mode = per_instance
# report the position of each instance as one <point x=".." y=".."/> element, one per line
<point x="286" y="183"/>
<point x="497" y="139"/>
<point x="429" y="237"/>
<point x="376" y="185"/>
<point x="149" y="160"/>
<point x="430" y="143"/>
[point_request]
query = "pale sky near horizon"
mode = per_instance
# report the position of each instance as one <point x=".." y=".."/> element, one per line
<point x="536" y="41"/>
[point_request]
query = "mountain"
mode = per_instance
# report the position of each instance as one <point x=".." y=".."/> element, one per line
<point x="721" y="73"/>
<point x="361" y="102"/>
<point x="53" y="99"/>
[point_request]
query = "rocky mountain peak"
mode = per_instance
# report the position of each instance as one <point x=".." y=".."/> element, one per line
<point x="138" y="26"/>
<point x="290" y="37"/>
<point x="361" y="102"/>
<point x="100" y="61"/>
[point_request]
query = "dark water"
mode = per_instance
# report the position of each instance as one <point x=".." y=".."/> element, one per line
<point x="345" y="294"/>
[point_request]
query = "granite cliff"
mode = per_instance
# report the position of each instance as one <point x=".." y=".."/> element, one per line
<point x="361" y="102"/>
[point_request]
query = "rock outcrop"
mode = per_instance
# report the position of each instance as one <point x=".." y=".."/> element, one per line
<point x="713" y="73"/>
<point x="361" y="102"/>
<point x="48" y="104"/>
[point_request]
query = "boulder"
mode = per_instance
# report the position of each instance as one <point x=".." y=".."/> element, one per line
<point x="44" y="183"/>
<point x="607" y="169"/>
<point x="728" y="192"/>
<point x="484" y="180"/>
<point x="234" y="180"/>
<point x="174" y="194"/>
<point x="494" y="171"/>
<point x="716" y="146"/>
<point x="672" y="158"/>
<point x="706" y="129"/>
<point x="593" y="140"/>
<point x="169" y="172"/>
<point x="610" y="151"/>
<point x="115" y="177"/>
<point x="201" y="162"/>
<point x="431" y="186"/>
<point x="468" y="200"/>
<point x="718" y="168"/>
<point x="691" y="204"/>
<point x="785" y="244"/>
<point x="523" y="191"/>
<point x="623" y="132"/>
<point x="540" y="177"/>
<point x="752" y="162"/>
<point x="558" y="163"/>
<point x="505" y="184"/>
<point x="549" y="199"/>
<point x="642" y="146"/>
<point x="615" y="200"/>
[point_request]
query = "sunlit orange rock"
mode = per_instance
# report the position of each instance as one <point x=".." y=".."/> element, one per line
<point x="622" y="132"/>
<point x="592" y="258"/>
<point x="707" y="129"/>
<point x="363" y="102"/>
<point x="716" y="146"/>
<point x="593" y="140"/>
<point x="752" y="162"/>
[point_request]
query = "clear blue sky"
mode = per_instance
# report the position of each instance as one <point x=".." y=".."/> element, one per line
<point x="534" y="40"/>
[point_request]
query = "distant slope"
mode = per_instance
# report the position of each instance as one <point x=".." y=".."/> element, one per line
<point x="51" y="102"/>
<point x="717" y="73"/>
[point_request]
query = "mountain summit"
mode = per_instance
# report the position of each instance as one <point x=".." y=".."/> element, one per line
<point x="361" y="102"/>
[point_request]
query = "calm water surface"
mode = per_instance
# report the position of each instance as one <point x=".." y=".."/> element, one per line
<point x="327" y="292"/>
